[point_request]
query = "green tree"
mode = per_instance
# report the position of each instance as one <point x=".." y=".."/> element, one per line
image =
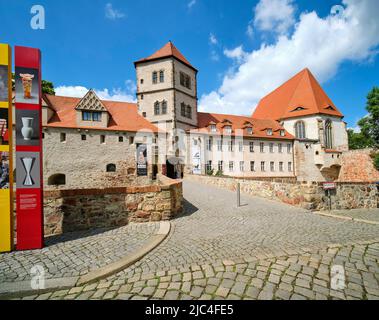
<point x="370" y="124"/>
<point x="47" y="86"/>
<point x="358" y="140"/>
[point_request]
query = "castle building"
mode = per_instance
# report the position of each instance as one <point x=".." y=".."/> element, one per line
<point x="296" y="131"/>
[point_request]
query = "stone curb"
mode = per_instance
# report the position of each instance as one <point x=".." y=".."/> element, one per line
<point x="9" y="290"/>
<point x="346" y="218"/>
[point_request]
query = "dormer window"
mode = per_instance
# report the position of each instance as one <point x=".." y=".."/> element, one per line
<point x="269" y="132"/>
<point x="299" y="109"/>
<point x="213" y="128"/>
<point x="91" y="116"/>
<point x="282" y="133"/>
<point x="249" y="130"/>
<point x="228" y="129"/>
<point x="330" y="108"/>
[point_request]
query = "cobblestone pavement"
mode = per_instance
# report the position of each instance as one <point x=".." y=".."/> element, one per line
<point x="364" y="214"/>
<point x="263" y="250"/>
<point x="77" y="253"/>
<point x="296" y="277"/>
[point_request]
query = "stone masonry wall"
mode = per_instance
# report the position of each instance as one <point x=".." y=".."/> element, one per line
<point x="308" y="195"/>
<point x="82" y="209"/>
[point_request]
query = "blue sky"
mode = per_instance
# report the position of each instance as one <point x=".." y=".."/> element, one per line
<point x="93" y="43"/>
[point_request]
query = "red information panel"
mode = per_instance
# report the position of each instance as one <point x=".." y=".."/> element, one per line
<point x="28" y="121"/>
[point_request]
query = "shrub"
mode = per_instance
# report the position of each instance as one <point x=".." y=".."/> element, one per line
<point x="376" y="161"/>
<point x="210" y="172"/>
<point x="219" y="173"/>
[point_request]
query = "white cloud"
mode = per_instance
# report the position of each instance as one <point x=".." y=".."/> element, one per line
<point x="250" y="30"/>
<point x="191" y="4"/>
<point x="237" y="53"/>
<point x="275" y="15"/>
<point x="212" y="39"/>
<point x="111" y="13"/>
<point x="118" y="94"/>
<point x="215" y="56"/>
<point x="320" y="44"/>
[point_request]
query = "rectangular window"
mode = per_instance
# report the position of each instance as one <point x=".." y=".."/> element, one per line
<point x="155" y="77"/>
<point x="183" y="110"/>
<point x="161" y="76"/>
<point x="144" y="114"/>
<point x="86" y="116"/>
<point x="84" y="137"/>
<point x="96" y="116"/>
<point x="240" y="146"/>
<point x="208" y="166"/>
<point x="242" y="166"/>
<point x="219" y="145"/>
<point x="262" y="145"/>
<point x="209" y="144"/>
<point x="251" y="146"/>
<point x="63" y="137"/>
<point x="281" y="166"/>
<point x="280" y="148"/>
<point x="230" y="145"/>
<point x="269" y="132"/>
<point x="249" y="130"/>
<point x="213" y="128"/>
<point x="189" y="112"/>
<point x="271" y="148"/>
<point x="228" y="129"/>
<point x="102" y="139"/>
<point x="185" y="80"/>
<point x="290" y="166"/>
<point x="157" y="108"/>
<point x="252" y="166"/>
<point x="131" y="140"/>
<point x="220" y="166"/>
<point x="164" y="107"/>
<point x="289" y="148"/>
<point x="120" y="139"/>
<point x="263" y="169"/>
<point x="231" y="166"/>
<point x="272" y="166"/>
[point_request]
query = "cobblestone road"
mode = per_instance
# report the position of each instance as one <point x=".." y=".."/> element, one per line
<point x="77" y="253"/>
<point x="263" y="250"/>
<point x="364" y="214"/>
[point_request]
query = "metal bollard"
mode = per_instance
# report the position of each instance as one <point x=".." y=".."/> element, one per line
<point x="238" y="195"/>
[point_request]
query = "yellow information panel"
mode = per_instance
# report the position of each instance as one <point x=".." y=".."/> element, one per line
<point x="6" y="158"/>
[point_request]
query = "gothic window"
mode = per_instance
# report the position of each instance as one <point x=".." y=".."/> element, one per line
<point x="156" y="108"/>
<point x="300" y="130"/>
<point x="328" y="134"/>
<point x="161" y="76"/>
<point x="164" y="107"/>
<point x="56" y="180"/>
<point x="155" y="77"/>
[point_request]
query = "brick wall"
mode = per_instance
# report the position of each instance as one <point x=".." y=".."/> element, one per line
<point x="357" y="166"/>
<point x="308" y="195"/>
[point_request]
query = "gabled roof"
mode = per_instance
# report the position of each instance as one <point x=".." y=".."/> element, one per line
<point x="91" y="102"/>
<point x="169" y="50"/>
<point x="124" y="116"/>
<point x="300" y="96"/>
<point x="239" y="122"/>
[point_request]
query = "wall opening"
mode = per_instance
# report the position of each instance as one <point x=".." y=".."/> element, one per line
<point x="111" y="167"/>
<point x="57" y="180"/>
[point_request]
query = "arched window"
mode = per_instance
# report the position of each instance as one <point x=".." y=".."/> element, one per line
<point x="328" y="134"/>
<point x="111" y="167"/>
<point x="156" y="108"/>
<point x="58" y="179"/>
<point x="164" y="107"/>
<point x="300" y="130"/>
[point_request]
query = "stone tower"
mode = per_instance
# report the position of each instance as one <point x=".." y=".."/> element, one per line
<point x="167" y="90"/>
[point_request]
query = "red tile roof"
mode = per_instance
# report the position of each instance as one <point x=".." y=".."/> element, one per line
<point x="240" y="122"/>
<point x="123" y="115"/>
<point x="303" y="92"/>
<point x="169" y="50"/>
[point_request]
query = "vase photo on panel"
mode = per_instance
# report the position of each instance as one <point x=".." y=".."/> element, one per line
<point x="27" y="128"/>
<point x="4" y="139"/>
<point x="27" y="85"/>
<point x="28" y="170"/>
